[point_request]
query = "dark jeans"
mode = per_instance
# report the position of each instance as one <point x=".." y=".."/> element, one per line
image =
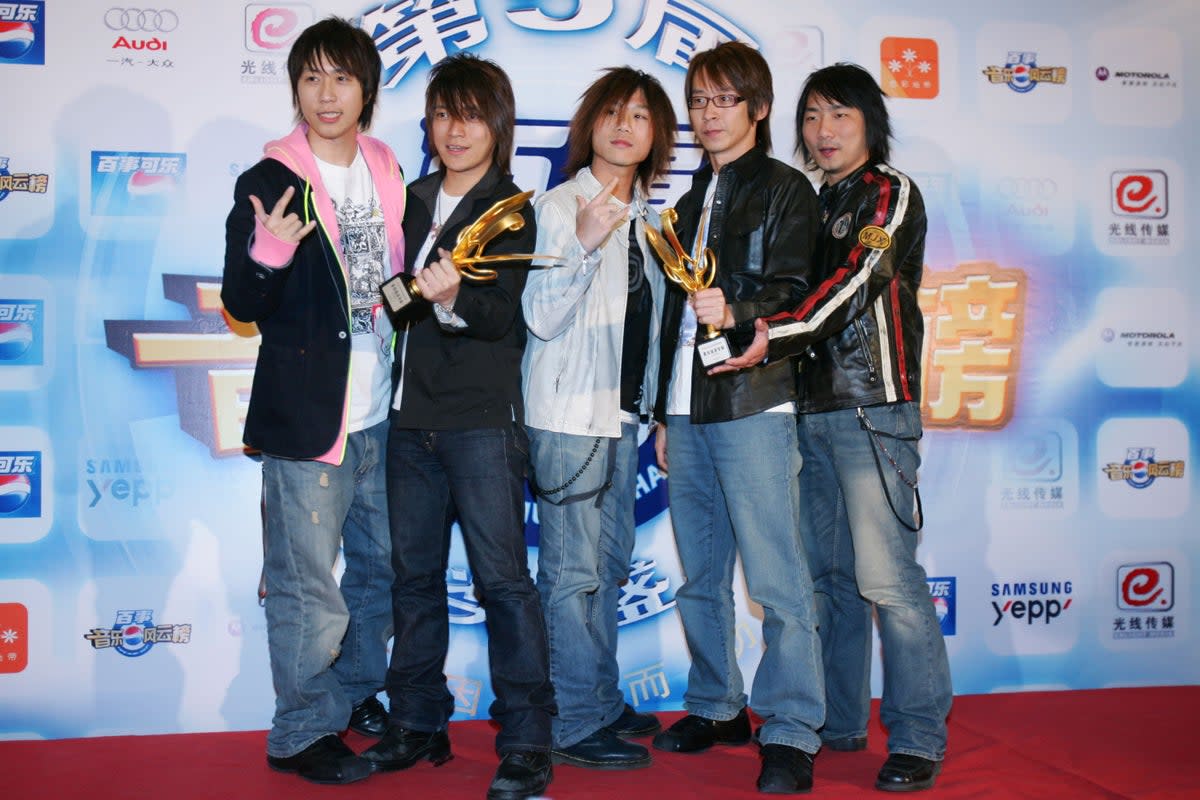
<point x="477" y="474"/>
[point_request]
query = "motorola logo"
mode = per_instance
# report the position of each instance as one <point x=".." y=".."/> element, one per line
<point x="145" y="20"/>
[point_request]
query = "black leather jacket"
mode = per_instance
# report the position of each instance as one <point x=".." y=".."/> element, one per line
<point x="761" y="229"/>
<point x="859" y="331"/>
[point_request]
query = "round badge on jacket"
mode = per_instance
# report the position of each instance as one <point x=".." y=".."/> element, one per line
<point x="874" y="237"/>
<point x="842" y="226"/>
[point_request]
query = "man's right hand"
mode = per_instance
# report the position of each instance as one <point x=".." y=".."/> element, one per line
<point x="286" y="228"/>
<point x="596" y="219"/>
<point x="660" y="446"/>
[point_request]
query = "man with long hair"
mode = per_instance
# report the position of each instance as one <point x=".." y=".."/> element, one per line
<point x="589" y="378"/>
<point x="861" y="331"/>
<point x="457" y="449"/>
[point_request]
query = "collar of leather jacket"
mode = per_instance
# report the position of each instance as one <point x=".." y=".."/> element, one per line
<point x="746" y="166"/>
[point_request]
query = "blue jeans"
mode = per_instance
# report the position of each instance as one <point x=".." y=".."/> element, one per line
<point x="328" y="645"/>
<point x="733" y="491"/>
<point x="587" y="537"/>
<point x="478" y="476"/>
<point x="861" y="554"/>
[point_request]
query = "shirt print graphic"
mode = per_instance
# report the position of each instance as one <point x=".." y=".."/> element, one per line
<point x="364" y="243"/>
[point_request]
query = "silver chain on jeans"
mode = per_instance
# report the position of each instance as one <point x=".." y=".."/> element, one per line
<point x="877" y="437"/>
<point x="578" y="473"/>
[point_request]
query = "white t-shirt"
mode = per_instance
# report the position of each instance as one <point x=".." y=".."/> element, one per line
<point x="444" y="207"/>
<point x="367" y="259"/>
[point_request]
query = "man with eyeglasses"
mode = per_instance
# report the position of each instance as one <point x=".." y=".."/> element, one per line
<point x="730" y="439"/>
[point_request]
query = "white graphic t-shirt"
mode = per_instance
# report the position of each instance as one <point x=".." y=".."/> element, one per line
<point x="363" y="242"/>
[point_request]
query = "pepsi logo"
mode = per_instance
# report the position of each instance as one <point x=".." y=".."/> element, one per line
<point x="133" y="636"/>
<point x="15" y="340"/>
<point x="16" y="39"/>
<point x="14" y="492"/>
<point x="141" y="183"/>
<point x="941" y="607"/>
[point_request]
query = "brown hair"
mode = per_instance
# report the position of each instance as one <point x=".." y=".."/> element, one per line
<point x="614" y="89"/>
<point x="464" y="85"/>
<point x="340" y="44"/>
<point x="742" y="67"/>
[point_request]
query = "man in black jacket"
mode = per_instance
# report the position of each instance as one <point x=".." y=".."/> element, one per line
<point x="859" y="332"/>
<point x="314" y="230"/>
<point x="457" y="446"/>
<point x="730" y="439"/>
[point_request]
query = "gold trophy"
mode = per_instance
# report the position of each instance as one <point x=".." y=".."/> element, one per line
<point x="502" y="217"/>
<point x="681" y="268"/>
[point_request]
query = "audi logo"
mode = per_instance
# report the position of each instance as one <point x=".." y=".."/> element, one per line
<point x="1027" y="187"/>
<point x="147" y="20"/>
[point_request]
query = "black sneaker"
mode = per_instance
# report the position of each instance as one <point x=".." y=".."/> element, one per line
<point x="327" y="760"/>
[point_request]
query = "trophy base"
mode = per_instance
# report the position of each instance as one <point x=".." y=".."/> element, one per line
<point x="398" y="292"/>
<point x="714" y="351"/>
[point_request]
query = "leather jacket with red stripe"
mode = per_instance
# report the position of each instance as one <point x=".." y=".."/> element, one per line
<point x="858" y="333"/>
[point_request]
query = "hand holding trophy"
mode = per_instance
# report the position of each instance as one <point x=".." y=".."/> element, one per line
<point x="684" y="270"/>
<point x="502" y="217"/>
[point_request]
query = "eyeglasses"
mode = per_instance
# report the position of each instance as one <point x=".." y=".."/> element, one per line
<point x="720" y="101"/>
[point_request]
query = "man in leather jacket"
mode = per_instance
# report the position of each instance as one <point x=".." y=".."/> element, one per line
<point x="858" y="334"/>
<point x="730" y="440"/>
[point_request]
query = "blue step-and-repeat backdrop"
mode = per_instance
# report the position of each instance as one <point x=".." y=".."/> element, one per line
<point x="1052" y="142"/>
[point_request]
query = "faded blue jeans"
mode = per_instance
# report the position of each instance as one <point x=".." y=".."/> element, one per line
<point x="328" y="644"/>
<point x="854" y="492"/>
<point x="733" y="491"/>
<point x="583" y="557"/>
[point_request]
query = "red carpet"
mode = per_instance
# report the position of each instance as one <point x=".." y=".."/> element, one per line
<point x="1112" y="743"/>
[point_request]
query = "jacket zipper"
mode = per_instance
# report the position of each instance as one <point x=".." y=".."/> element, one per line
<point x="862" y="341"/>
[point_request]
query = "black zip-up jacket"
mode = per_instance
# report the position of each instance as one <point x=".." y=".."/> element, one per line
<point x="762" y="228"/>
<point x="468" y="378"/>
<point x="859" y="331"/>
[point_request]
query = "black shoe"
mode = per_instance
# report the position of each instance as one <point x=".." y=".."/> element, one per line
<point x="904" y="773"/>
<point x="603" y="750"/>
<point x="847" y="744"/>
<point x="369" y="718"/>
<point x="633" y="724"/>
<point x="785" y="770"/>
<point x="521" y="774"/>
<point x="693" y="734"/>
<point x="400" y="748"/>
<point x="327" y="760"/>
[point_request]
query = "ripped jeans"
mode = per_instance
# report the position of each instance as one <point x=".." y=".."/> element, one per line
<point x="311" y="509"/>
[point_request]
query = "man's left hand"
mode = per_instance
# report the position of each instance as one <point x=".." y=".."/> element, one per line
<point x="753" y="355"/>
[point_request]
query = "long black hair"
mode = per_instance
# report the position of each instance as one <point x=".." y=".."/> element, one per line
<point x="852" y="86"/>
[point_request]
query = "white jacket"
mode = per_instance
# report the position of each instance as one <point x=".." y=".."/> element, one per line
<point x="571" y="373"/>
